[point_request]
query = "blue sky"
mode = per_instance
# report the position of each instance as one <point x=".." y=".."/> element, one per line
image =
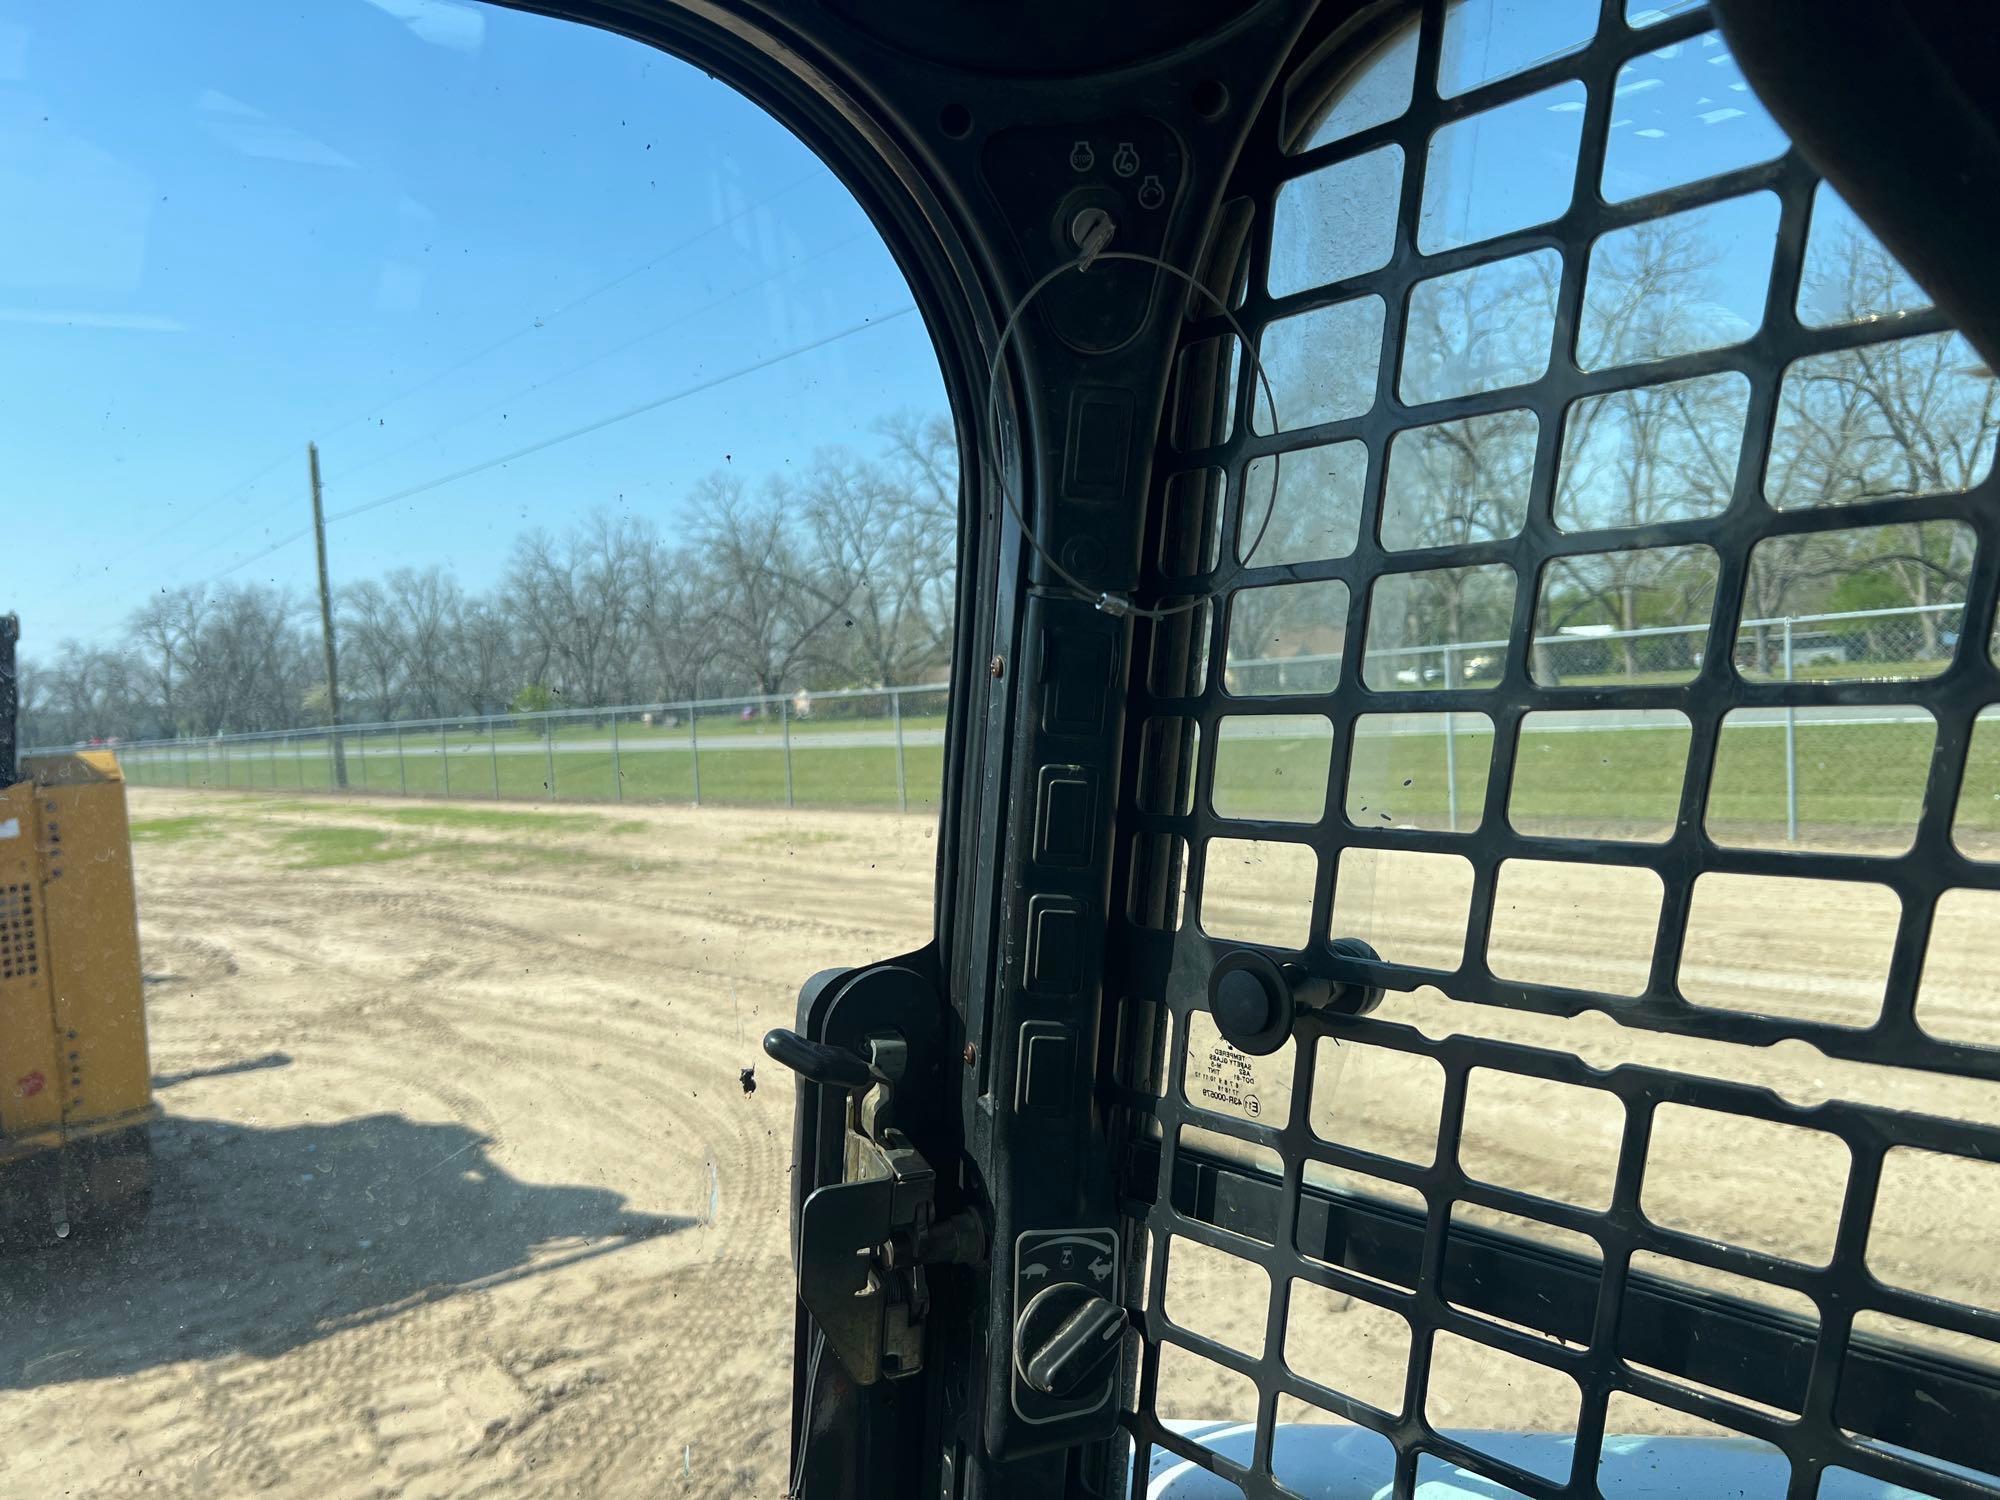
<point x="426" y="233"/>
<point x="239" y="225"/>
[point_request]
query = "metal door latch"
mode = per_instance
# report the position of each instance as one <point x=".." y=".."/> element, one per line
<point x="864" y="1242"/>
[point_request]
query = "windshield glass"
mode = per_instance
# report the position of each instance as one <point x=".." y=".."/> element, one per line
<point x="633" y="614"/>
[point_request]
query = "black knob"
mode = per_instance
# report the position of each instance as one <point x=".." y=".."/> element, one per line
<point x="1068" y="1340"/>
<point x="1254" y="999"/>
<point x="1252" y="1002"/>
<point x="1351" y="998"/>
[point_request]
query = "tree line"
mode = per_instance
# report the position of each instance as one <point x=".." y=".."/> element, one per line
<point x="840" y="576"/>
<point x="1904" y="417"/>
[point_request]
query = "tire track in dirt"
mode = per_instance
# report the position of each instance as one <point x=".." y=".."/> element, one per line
<point x="461" y="1244"/>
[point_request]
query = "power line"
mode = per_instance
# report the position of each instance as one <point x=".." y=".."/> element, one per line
<point x="200" y="510"/>
<point x="583" y="364"/>
<point x="575" y="432"/>
<point x="473" y="358"/>
<point x="631" y="411"/>
<point x="569" y="307"/>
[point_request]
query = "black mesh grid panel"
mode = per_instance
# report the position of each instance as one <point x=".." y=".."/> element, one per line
<point x="1299" y="1204"/>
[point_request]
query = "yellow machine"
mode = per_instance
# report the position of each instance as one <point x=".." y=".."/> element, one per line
<point x="76" y="1099"/>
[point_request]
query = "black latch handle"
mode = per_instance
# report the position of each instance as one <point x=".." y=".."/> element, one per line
<point x="824" y="1064"/>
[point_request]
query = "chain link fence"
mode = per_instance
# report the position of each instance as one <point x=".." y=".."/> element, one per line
<point x="1803" y="776"/>
<point x="1794" y="776"/>
<point x="862" y="748"/>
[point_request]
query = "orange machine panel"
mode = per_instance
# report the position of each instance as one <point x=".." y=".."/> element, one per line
<point x="31" y="1075"/>
<point x="99" y="1001"/>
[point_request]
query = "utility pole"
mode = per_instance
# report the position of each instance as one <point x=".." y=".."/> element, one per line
<point x="326" y="625"/>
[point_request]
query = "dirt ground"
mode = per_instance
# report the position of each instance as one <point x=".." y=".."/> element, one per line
<point x="459" y="1192"/>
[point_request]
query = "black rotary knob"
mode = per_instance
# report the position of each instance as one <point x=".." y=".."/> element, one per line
<point x="1252" y="1001"/>
<point x="1068" y="1340"/>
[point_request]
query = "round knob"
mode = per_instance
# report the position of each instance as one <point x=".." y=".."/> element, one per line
<point x="1068" y="1340"/>
<point x="1254" y="999"/>
<point x="1244" y="1005"/>
<point x="1252" y="1002"/>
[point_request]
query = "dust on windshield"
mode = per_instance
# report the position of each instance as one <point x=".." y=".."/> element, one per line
<point x="422" y="1143"/>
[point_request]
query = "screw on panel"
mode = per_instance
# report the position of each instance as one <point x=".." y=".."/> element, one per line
<point x="997" y="667"/>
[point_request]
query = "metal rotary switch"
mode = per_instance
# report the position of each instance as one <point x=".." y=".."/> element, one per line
<point x="1067" y="1341"/>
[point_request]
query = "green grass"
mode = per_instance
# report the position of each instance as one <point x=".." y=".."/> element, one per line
<point x="522" y="858"/>
<point x="1576" y="783"/>
<point x="1868" y="776"/>
<point x="1865" y="778"/>
<point x="1860" y="777"/>
<point x="172" y="830"/>
<point x="1395" y="780"/>
<point x="334" y="845"/>
<point x="862" y="776"/>
<point x="839" y="776"/>
<point x="1915" y="669"/>
<point x="717" y="728"/>
<point x="345" y="844"/>
<point x="499" y="820"/>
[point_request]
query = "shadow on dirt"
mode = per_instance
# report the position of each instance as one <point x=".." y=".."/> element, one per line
<point x="223" y="1070"/>
<point x="262" y="1240"/>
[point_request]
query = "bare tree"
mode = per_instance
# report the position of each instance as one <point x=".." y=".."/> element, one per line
<point x="482" y="659"/>
<point x="873" y="563"/>
<point x="160" y="632"/>
<point x="923" y="453"/>
<point x="85" y="691"/>
<point x="39" y="723"/>
<point x="249" y="666"/>
<point x="674" y="602"/>
<point x="1655" y="290"/>
<point x="845" y="578"/>
<point x="575" y="599"/>
<point x="922" y="461"/>
<point x="1453" y="483"/>
<point x="423" y="607"/>
<point x="771" y="603"/>
<point x="371" y="648"/>
<point x="1913" y="416"/>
